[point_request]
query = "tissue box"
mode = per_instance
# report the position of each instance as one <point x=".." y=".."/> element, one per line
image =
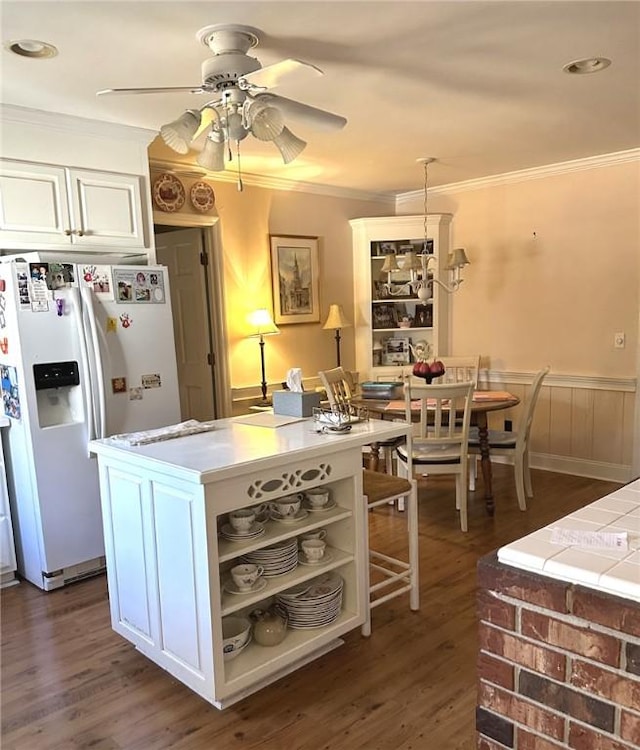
<point x="294" y="404"/>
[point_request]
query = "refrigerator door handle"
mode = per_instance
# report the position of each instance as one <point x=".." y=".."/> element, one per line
<point x="101" y="421"/>
<point x="84" y="363"/>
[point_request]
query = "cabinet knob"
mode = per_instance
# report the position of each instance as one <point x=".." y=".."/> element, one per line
<point x="67" y="232"/>
<point x="80" y="232"/>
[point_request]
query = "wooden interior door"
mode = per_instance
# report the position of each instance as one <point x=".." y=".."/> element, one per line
<point x="183" y="252"/>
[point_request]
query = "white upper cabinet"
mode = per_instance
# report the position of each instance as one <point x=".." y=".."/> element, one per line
<point x="45" y="206"/>
<point x="391" y="323"/>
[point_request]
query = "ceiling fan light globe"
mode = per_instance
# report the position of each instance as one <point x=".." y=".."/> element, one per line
<point x="235" y="127"/>
<point x="212" y="155"/>
<point x="267" y="123"/>
<point x="289" y="145"/>
<point x="179" y="133"/>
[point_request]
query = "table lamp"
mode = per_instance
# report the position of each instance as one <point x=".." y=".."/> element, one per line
<point x="335" y="321"/>
<point x="263" y="325"/>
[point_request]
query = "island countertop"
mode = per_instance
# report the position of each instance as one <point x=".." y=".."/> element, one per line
<point x="233" y="444"/>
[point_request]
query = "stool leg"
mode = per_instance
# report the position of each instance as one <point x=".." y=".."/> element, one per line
<point x="365" y="629"/>
<point x="414" y="554"/>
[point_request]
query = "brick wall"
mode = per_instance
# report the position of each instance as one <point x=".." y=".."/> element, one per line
<point x="558" y="664"/>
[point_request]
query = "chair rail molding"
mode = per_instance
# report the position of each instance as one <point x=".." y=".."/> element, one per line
<point x="599" y="383"/>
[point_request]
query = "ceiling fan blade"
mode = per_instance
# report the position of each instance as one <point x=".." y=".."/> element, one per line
<point x="160" y="90"/>
<point x="318" y="118"/>
<point x="272" y="75"/>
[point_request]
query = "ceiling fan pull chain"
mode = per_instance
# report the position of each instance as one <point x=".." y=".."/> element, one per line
<point x="240" y="185"/>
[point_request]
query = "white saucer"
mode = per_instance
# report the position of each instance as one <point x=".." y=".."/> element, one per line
<point x="231" y="587"/>
<point x="228" y="532"/>
<point x="302" y="513"/>
<point x="328" y="506"/>
<point x="327" y="557"/>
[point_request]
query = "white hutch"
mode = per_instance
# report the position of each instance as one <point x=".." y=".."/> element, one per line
<point x="383" y="339"/>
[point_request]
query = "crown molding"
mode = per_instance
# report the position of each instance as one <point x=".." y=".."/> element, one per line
<point x="535" y="173"/>
<point x="187" y="169"/>
<point x="73" y="124"/>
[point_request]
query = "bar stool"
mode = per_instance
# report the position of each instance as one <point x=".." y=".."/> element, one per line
<point x="401" y="575"/>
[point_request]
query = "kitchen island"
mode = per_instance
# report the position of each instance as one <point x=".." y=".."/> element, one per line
<point x="163" y="507"/>
<point x="559" y="632"/>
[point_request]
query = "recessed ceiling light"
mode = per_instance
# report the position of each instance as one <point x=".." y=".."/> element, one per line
<point x="32" y="48"/>
<point x="588" y="65"/>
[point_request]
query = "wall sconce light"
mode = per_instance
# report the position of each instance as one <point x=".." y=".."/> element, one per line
<point x="336" y="320"/>
<point x="263" y="325"/>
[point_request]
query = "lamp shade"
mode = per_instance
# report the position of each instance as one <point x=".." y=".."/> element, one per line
<point x="266" y="122"/>
<point x="457" y="258"/>
<point x="179" y="133"/>
<point x="262" y="323"/>
<point x="289" y="145"/>
<point x="411" y="262"/>
<point x="390" y="264"/>
<point x="336" y="318"/>
<point x="212" y="155"/>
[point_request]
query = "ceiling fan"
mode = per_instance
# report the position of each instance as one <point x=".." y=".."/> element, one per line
<point x="242" y="103"/>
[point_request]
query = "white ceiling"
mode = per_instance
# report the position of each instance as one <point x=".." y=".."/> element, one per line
<point x="479" y="85"/>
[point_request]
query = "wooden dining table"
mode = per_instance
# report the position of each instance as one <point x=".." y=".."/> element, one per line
<point x="483" y="403"/>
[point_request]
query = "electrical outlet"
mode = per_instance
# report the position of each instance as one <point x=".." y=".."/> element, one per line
<point x="508" y="425"/>
<point x="618" y="340"/>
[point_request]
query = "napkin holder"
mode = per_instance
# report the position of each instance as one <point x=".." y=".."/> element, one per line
<point x="295" y="404"/>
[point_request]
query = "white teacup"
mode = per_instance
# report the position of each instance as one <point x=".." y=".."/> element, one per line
<point x="244" y="576"/>
<point x="314" y="534"/>
<point x="318" y="497"/>
<point x="242" y="520"/>
<point x="313" y="549"/>
<point x="288" y="506"/>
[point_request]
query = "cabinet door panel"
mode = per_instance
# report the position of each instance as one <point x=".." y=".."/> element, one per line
<point x="106" y="209"/>
<point x="33" y="202"/>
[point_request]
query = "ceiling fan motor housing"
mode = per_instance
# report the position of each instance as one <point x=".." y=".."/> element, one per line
<point x="224" y="70"/>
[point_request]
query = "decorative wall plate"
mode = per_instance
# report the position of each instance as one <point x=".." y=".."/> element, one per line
<point x="168" y="193"/>
<point x="202" y="196"/>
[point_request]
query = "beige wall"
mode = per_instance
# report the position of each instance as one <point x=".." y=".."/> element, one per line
<point x="246" y="220"/>
<point x="557" y="298"/>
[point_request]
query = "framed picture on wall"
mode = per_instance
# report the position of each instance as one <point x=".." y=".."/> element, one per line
<point x="295" y="279"/>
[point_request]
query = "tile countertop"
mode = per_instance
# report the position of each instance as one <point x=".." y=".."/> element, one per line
<point x="614" y="571"/>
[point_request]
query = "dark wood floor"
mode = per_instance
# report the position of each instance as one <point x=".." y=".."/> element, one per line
<point x="69" y="682"/>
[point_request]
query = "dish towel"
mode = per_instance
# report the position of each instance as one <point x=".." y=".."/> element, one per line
<point x="190" y="427"/>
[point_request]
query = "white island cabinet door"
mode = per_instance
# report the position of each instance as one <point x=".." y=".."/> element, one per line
<point x="155" y="542"/>
<point x="33" y="203"/>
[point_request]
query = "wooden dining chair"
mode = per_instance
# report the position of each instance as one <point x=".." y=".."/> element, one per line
<point x="439" y="444"/>
<point x="460" y="370"/>
<point x="340" y="388"/>
<point x="515" y="444"/>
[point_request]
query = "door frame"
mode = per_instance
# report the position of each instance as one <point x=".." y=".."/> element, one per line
<point x="215" y="278"/>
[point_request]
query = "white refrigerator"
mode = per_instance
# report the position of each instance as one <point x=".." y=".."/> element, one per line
<point x="86" y="351"/>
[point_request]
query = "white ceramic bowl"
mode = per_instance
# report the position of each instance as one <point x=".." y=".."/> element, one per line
<point x="235" y="633"/>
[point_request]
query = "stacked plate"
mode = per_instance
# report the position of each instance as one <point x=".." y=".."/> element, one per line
<point x="314" y="603"/>
<point x="277" y="559"/>
<point x="228" y="532"/>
